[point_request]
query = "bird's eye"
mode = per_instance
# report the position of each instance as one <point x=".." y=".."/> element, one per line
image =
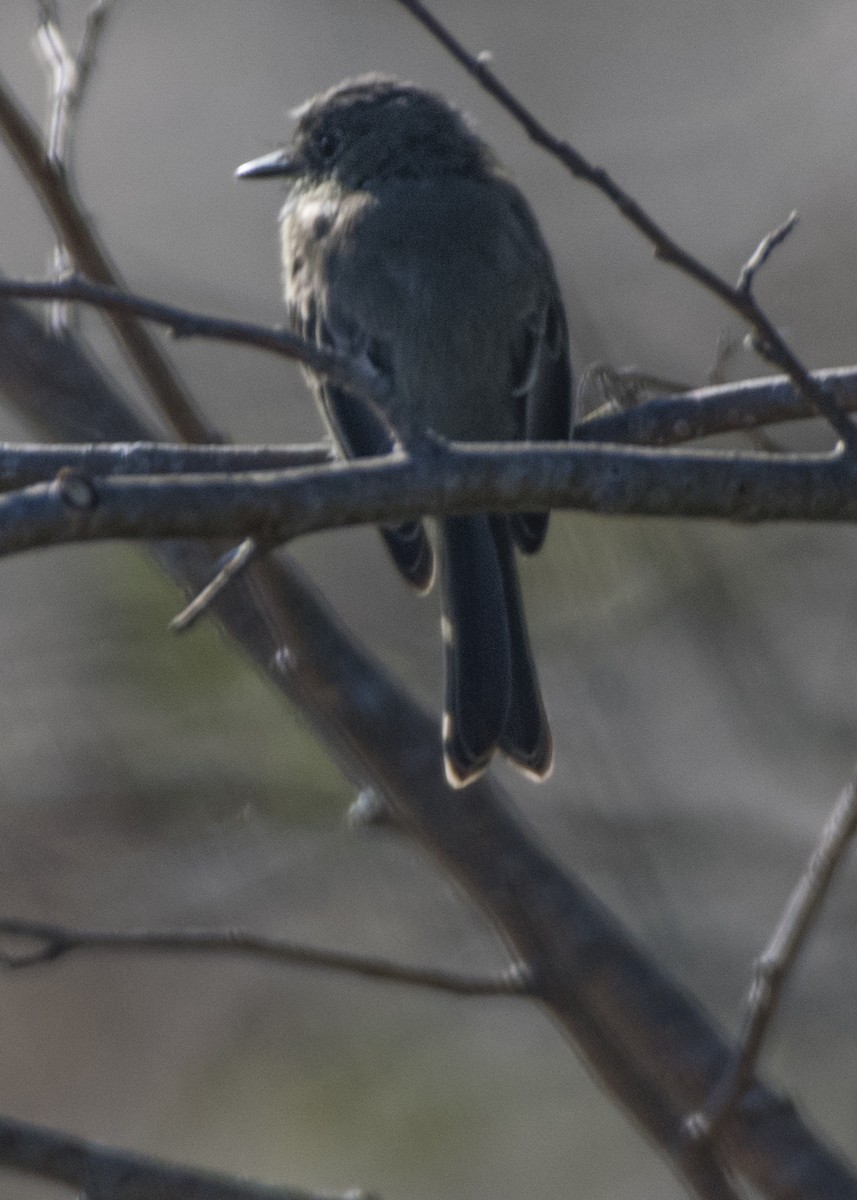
<point x="326" y="144"/>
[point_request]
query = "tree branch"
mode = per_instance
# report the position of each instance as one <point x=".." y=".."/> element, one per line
<point x="774" y="965"/>
<point x="58" y="941"/>
<point x="100" y="1173"/>
<point x="54" y="191"/>
<point x="276" y="507"/>
<point x="22" y="464"/>
<point x="335" y="367"/>
<point x="727" y="408"/>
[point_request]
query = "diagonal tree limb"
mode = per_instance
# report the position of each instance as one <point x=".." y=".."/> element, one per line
<point x="101" y="1173"/>
<point x="52" y="187"/>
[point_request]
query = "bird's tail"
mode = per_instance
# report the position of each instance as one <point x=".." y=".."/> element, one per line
<point x="492" y="697"/>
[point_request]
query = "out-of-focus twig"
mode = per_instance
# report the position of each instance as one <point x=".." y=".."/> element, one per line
<point x="56" y="941"/>
<point x="68" y="75"/>
<point x="90" y="258"/>
<point x="772" y="970"/>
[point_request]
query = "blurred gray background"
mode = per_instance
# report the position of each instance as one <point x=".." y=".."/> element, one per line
<point x="700" y="677"/>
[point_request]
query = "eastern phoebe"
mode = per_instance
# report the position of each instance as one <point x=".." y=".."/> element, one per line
<point x="406" y="245"/>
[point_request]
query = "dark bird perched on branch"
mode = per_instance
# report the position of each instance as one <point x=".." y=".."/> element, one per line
<point x="407" y="248"/>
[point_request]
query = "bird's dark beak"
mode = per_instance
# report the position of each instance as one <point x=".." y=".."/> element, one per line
<point x="279" y="162"/>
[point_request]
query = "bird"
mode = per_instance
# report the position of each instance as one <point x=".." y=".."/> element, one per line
<point x="407" y="248"/>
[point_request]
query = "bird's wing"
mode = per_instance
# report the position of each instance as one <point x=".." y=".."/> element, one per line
<point x="358" y="431"/>
<point x="543" y="391"/>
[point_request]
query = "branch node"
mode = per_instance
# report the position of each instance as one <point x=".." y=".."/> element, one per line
<point x="370" y="808"/>
<point x="76" y="490"/>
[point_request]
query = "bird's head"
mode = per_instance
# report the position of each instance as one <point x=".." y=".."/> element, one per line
<point x="371" y="129"/>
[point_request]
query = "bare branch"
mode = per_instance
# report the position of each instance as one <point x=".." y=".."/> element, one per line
<point x="22" y="464"/>
<point x="768" y="342"/>
<point x="58" y="940"/>
<point x="777" y="960"/>
<point x="727" y="408"/>
<point x="100" y="1173"/>
<point x="361" y="381"/>
<point x="463" y="478"/>
<point x="55" y="194"/>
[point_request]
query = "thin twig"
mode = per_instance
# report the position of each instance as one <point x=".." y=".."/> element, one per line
<point x="768" y="342"/>
<point x="361" y="381"/>
<point x="68" y="75"/>
<point x="236" y="561"/>
<point x="59" y="940"/>
<point x="54" y="191"/>
<point x="763" y="252"/>
<point x="774" y="966"/>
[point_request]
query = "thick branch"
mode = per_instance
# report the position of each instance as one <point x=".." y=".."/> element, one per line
<point x="277" y="507"/>
<point x="100" y="1173"/>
